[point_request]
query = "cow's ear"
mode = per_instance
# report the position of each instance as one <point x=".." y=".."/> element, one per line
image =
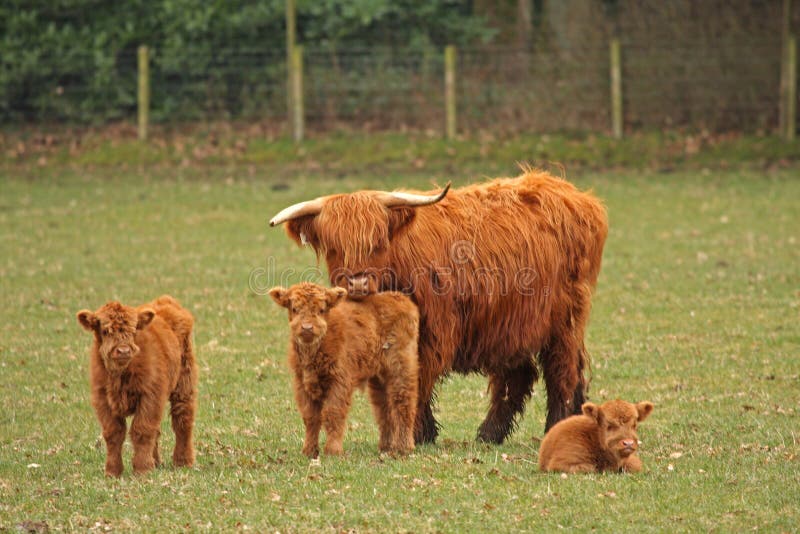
<point x="303" y="231"/>
<point x="644" y="408"/>
<point x="88" y="320"/>
<point x="399" y="219"/>
<point x="144" y="318"/>
<point x="592" y="410"/>
<point x="334" y="296"/>
<point x="280" y="295"/>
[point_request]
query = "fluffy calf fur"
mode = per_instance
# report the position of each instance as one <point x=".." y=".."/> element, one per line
<point x="337" y="345"/>
<point x="142" y="357"/>
<point x="602" y="439"/>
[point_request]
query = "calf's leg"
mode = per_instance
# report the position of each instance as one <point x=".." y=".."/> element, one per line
<point x="144" y="433"/>
<point x="183" y="405"/>
<point x="631" y="464"/>
<point x="334" y="417"/>
<point x="114" y="429"/>
<point x="310" y="411"/>
<point x="380" y="409"/>
<point x="114" y="436"/>
<point x="401" y="393"/>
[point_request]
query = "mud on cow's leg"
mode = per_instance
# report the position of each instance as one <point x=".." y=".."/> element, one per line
<point x="509" y="390"/>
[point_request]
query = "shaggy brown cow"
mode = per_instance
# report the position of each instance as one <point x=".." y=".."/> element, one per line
<point x="140" y="358"/>
<point x="339" y="345"/>
<point x="502" y="272"/>
<point x="602" y="439"/>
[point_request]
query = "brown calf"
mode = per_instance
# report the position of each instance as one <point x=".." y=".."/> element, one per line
<point x="337" y="345"/>
<point x="142" y="357"/>
<point x="602" y="439"/>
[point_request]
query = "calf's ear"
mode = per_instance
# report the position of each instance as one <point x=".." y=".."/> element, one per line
<point x="644" y="409"/>
<point x="280" y="295"/>
<point x="592" y="410"/>
<point x="88" y="320"/>
<point x="145" y="317"/>
<point x="334" y="296"/>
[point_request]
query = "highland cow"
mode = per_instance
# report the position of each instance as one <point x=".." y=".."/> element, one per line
<point x="602" y="439"/>
<point x="502" y="272"/>
<point x="142" y="357"/>
<point x="337" y="345"/>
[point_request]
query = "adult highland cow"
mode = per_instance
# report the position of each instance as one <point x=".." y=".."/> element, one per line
<point x="502" y="272"/>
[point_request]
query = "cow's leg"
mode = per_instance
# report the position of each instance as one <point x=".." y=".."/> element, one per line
<point x="562" y="367"/>
<point x="426" y="428"/>
<point x="564" y="358"/>
<point x="509" y="392"/>
<point x="156" y="452"/>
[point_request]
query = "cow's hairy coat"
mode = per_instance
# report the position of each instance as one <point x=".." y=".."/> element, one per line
<point x="141" y="358"/>
<point x="337" y="345"/>
<point x="502" y="272"/>
<point x="604" y="438"/>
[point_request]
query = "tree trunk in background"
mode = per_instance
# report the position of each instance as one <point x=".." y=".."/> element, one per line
<point x="512" y="19"/>
<point x="524" y="26"/>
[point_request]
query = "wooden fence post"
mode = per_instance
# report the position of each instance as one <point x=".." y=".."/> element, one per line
<point x="783" y="101"/>
<point x="297" y="112"/>
<point x="291" y="32"/>
<point x="790" y="121"/>
<point x="143" y="94"/>
<point x="616" y="89"/>
<point x="450" y="91"/>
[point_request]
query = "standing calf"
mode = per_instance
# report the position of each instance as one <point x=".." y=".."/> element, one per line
<point x="602" y="439"/>
<point x="337" y="345"/>
<point x="140" y="358"/>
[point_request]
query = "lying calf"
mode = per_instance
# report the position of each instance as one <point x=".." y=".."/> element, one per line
<point x="602" y="439"/>
<point x="337" y="345"/>
<point x="142" y="357"/>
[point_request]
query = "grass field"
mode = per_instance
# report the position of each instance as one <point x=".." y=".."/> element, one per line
<point x="697" y="310"/>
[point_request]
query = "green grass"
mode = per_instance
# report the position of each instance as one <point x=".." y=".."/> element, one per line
<point x="255" y="149"/>
<point x="696" y="310"/>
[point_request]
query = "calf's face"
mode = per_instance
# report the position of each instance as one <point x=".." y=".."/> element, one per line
<point x="617" y="421"/>
<point x="114" y="327"/>
<point x="308" y="306"/>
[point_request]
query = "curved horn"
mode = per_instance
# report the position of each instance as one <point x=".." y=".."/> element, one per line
<point x="397" y="198"/>
<point x="309" y="207"/>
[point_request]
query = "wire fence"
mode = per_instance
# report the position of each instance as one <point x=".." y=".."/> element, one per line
<point x="717" y="85"/>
